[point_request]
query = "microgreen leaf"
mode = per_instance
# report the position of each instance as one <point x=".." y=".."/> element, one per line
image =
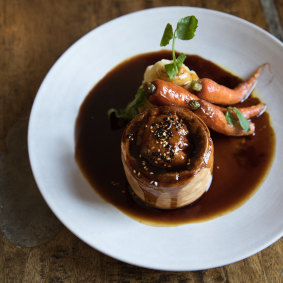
<point x="244" y="123"/>
<point x="167" y="35"/>
<point x="180" y="60"/>
<point x="242" y="120"/>
<point x="229" y="117"/>
<point x="186" y="27"/>
<point x="171" y="70"/>
<point x="131" y="110"/>
<point x="185" y="30"/>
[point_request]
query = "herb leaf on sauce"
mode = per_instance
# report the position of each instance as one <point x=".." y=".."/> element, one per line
<point x="244" y="123"/>
<point x="131" y="110"/>
<point x="185" y="30"/>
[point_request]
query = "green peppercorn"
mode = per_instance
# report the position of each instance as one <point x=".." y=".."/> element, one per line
<point x="149" y="88"/>
<point x="194" y="104"/>
<point x="196" y="85"/>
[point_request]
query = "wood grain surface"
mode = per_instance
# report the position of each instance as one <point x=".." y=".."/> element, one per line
<point x="33" y="34"/>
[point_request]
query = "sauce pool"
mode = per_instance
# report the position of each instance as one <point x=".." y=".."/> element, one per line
<point x="240" y="163"/>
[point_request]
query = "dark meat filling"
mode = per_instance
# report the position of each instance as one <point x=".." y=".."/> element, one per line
<point x="163" y="141"/>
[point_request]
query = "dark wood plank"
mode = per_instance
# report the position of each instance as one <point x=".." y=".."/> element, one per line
<point x="279" y="7"/>
<point x="272" y="18"/>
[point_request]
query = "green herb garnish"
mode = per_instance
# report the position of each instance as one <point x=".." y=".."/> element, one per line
<point x="244" y="123"/>
<point x="196" y="85"/>
<point x="229" y="117"/>
<point x="131" y="110"/>
<point x="185" y="30"/>
<point x="194" y="104"/>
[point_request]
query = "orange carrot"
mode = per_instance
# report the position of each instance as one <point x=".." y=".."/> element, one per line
<point x="215" y="119"/>
<point x="219" y="94"/>
<point x="251" y="111"/>
<point x="166" y="93"/>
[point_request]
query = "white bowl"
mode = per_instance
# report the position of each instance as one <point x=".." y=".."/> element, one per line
<point x="224" y="39"/>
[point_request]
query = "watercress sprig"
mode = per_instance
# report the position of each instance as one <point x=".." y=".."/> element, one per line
<point x="244" y="123"/>
<point x="185" y="30"/>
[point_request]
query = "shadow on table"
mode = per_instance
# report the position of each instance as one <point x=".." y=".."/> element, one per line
<point x="25" y="218"/>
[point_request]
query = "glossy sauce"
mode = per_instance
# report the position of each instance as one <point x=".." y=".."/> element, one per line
<point x="240" y="164"/>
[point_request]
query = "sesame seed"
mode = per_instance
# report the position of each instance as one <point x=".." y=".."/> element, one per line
<point x="189" y="162"/>
<point x="155" y="183"/>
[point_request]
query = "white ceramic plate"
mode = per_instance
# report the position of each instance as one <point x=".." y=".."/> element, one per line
<point x="224" y="39"/>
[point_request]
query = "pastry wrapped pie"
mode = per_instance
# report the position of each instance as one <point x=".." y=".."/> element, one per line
<point x="167" y="154"/>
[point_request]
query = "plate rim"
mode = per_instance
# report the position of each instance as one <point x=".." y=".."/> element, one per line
<point x="31" y="118"/>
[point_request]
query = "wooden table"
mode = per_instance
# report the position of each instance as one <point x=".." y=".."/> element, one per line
<point x="34" y="246"/>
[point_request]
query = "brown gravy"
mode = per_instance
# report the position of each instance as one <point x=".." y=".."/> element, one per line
<point x="240" y="165"/>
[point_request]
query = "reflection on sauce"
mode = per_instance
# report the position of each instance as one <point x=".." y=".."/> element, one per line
<point x="240" y="164"/>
